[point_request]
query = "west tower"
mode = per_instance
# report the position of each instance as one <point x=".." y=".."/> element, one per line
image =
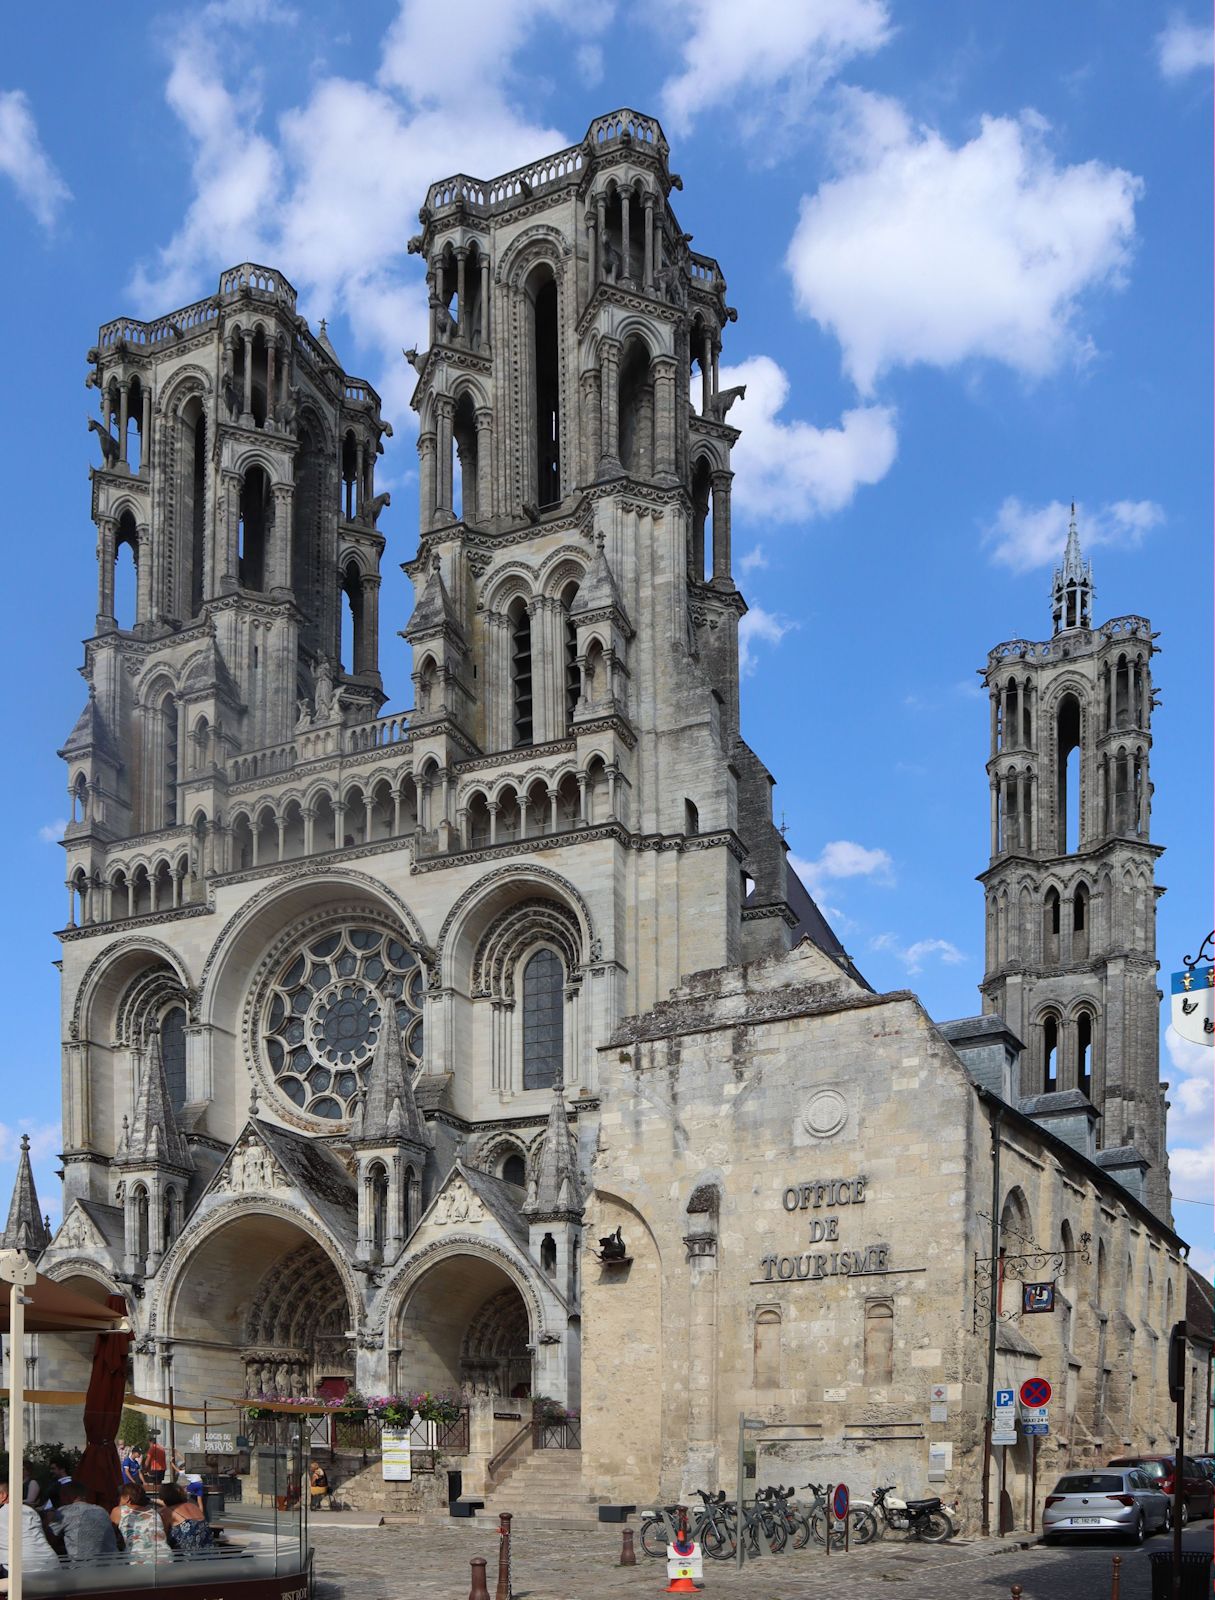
<point x="1070" y="889"/>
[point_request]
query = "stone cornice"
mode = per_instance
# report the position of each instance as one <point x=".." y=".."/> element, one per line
<point x="724" y="839"/>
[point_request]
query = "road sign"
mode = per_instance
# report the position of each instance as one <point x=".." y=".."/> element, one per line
<point x="1002" y="1436"/>
<point x="1035" y="1392"/>
<point x="839" y="1502"/>
<point x="1004" y="1400"/>
<point x="1032" y="1428"/>
<point x="1194" y="1004"/>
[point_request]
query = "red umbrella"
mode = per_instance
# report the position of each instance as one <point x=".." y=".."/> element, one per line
<point x="99" y="1468"/>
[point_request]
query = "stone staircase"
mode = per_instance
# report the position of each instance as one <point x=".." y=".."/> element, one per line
<point x="543" y="1487"/>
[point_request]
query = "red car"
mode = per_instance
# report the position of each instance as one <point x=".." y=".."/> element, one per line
<point x="1198" y="1491"/>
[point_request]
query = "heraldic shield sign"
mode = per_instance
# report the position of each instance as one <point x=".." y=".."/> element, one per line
<point x="1194" y="1004"/>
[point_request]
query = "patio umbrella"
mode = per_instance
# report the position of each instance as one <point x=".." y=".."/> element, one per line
<point x="98" y="1468"/>
<point x="45" y="1306"/>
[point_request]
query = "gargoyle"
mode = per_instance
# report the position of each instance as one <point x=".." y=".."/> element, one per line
<point x="721" y="402"/>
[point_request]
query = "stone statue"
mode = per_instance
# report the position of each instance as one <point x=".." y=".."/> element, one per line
<point x="369" y="514"/>
<point x="612" y="261"/>
<point x="288" y="412"/>
<point x="323" y="695"/>
<point x="613" y="1248"/>
<point x="720" y="403"/>
<point x="230" y="393"/>
<point x="109" y="445"/>
<point x="416" y="361"/>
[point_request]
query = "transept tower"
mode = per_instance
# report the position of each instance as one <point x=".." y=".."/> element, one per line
<point x="1070" y="890"/>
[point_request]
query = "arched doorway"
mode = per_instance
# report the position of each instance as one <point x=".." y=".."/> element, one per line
<point x="465" y="1327"/>
<point x="260" y="1308"/>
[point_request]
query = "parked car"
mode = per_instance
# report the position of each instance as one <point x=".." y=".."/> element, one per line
<point x="1206" y="1465"/>
<point x="1198" y="1491"/>
<point x="1115" y="1499"/>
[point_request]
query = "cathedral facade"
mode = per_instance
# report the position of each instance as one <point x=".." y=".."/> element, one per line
<point x="381" y="1070"/>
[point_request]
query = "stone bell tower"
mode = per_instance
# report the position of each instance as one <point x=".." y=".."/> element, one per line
<point x="1070" y="891"/>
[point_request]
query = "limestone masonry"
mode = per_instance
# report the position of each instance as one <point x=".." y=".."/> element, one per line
<point x="492" y="1046"/>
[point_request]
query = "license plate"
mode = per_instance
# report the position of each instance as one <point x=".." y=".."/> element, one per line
<point x="1086" y="1519"/>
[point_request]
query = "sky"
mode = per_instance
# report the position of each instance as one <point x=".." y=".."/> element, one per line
<point x="970" y="251"/>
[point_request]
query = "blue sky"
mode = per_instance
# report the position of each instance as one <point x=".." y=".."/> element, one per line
<point x="970" y="249"/>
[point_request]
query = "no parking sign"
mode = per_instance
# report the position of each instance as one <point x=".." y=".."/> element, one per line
<point x="839" y="1502"/>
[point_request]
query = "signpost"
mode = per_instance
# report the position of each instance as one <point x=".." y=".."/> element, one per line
<point x="1035" y="1394"/>
<point x="1004" y="1418"/>
<point x="839" y="1510"/>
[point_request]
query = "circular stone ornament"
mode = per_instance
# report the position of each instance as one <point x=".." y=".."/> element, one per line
<point x="825" y="1114"/>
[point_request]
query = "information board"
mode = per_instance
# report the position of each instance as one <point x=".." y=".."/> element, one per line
<point x="396" y="1455"/>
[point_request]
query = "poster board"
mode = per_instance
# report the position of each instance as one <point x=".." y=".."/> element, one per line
<point x="396" y="1455"/>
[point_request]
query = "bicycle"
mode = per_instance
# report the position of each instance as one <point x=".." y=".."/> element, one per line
<point x="797" y="1524"/>
<point x="709" y="1527"/>
<point x="822" y="1518"/>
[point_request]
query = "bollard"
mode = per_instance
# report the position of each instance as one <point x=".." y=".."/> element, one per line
<point x="1116" y="1585"/>
<point x="503" y="1591"/>
<point x="628" y="1556"/>
<point x="1016" y="1591"/>
<point x="478" y="1590"/>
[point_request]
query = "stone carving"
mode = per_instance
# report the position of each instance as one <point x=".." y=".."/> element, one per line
<point x="250" y="1169"/>
<point x="457" y="1204"/>
<point x="825" y="1114"/>
<point x="369" y="514"/>
<point x="288" y="412"/>
<point x="77" y="1232"/>
<point x="109" y="445"/>
<point x="720" y="403"/>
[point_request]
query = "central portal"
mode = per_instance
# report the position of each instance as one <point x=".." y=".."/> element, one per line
<point x="465" y="1327"/>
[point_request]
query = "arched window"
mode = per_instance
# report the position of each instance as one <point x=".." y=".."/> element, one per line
<point x="464" y="435"/>
<point x="1102" y="1276"/>
<point x="636" y="427"/>
<point x="1050" y="1052"/>
<point x="1084" y="1053"/>
<point x="700" y="559"/>
<point x="377" y="1178"/>
<point x="879" y="1342"/>
<point x="142" y="1224"/>
<point x="1051" y="922"/>
<point x="173" y="1054"/>
<point x="251" y="534"/>
<point x="548" y="1256"/>
<point x="514" y="1170"/>
<point x="1067" y="810"/>
<point x="543" y="1021"/>
<point x="350" y="476"/>
<point x="134" y="439"/>
<point x="545" y="353"/>
<point x="767" y="1348"/>
<point x="521" y="671"/>
<point x="1080" y="908"/>
<point x="353" y="620"/>
<point x="126" y="572"/>
<point x="193" y="513"/>
<point x="573" y="678"/>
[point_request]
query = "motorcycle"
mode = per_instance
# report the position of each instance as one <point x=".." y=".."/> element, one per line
<point x="930" y="1520"/>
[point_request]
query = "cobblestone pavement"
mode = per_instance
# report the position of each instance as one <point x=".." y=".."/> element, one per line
<point x="403" y="1563"/>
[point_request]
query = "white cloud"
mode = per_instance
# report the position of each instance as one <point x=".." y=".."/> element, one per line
<point x="331" y="193"/>
<point x="913" y="956"/>
<point x="1191" y="1084"/>
<point x="788" y="471"/>
<point x="843" y="858"/>
<point x="771" y="57"/>
<point x="754" y="560"/>
<point x="589" y="60"/>
<point x="758" y="626"/>
<point x="25" y="162"/>
<point x="1024" y="537"/>
<point x="52" y="832"/>
<point x="1193" y="1169"/>
<point x="923" y="251"/>
<point x="45" y="1139"/>
<point x="1183" y="47"/>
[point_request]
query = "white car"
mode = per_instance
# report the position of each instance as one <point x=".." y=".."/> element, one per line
<point x="1107" y="1500"/>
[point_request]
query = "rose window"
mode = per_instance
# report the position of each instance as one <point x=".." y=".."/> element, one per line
<point x="327" y="1008"/>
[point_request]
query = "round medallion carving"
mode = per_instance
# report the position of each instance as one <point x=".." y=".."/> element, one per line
<point x="825" y="1114"/>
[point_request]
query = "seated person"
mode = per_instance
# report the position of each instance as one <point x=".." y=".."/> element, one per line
<point x="140" y="1525"/>
<point x="85" y="1528"/>
<point x="318" y="1486"/>
<point x="187" y="1528"/>
<point x="36" y="1551"/>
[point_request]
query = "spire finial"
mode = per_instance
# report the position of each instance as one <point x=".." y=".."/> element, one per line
<point x="1072" y="591"/>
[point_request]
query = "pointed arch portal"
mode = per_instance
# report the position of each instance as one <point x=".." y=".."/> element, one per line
<point x="465" y="1325"/>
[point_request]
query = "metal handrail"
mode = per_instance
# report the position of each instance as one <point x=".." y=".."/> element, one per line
<point x="496" y="1461"/>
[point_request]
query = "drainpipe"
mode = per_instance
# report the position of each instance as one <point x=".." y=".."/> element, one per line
<point x="989" y="1397"/>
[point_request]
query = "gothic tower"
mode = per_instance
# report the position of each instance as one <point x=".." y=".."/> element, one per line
<point x="1070" y="890"/>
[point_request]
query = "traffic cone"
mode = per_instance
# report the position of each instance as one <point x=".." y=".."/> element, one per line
<point x="682" y="1546"/>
